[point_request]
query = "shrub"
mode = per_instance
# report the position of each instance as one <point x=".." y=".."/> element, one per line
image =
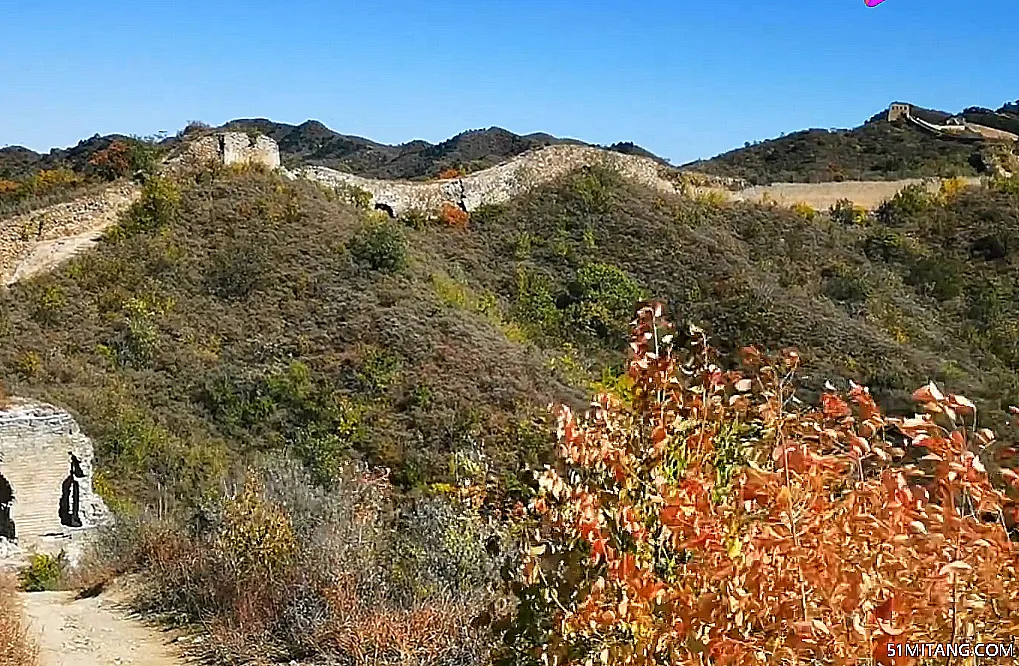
<point x="711" y="198"/>
<point x="599" y="301"/>
<point x="845" y="283"/>
<point x="354" y="195"/>
<point x="831" y="543"/>
<point x="844" y="212"/>
<point x="951" y="189"/>
<point x="16" y="648"/>
<point x="414" y="219"/>
<point x="380" y="244"/>
<point x="131" y="157"/>
<point x="159" y="206"/>
<point x="806" y="211"/>
<point x="28" y="364"/>
<point x="48" y="180"/>
<point x="451" y="173"/>
<point x="9" y="188"/>
<point x="238" y="269"/>
<point x="910" y="200"/>
<point x="1006" y="184"/>
<point x="285" y="569"/>
<point x="43" y="572"/>
<point x="454" y="216"/>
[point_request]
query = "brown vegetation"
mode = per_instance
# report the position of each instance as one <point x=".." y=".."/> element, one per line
<point x="16" y="648"/>
<point x="281" y="569"/>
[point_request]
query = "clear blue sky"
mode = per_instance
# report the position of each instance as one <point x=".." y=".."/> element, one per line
<point x="685" y="79"/>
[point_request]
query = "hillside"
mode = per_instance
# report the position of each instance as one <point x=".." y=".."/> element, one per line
<point x="876" y="150"/>
<point x="17" y="162"/>
<point x="259" y="316"/>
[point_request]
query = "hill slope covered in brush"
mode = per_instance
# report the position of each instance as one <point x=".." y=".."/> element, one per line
<point x="247" y="315"/>
<point x="876" y="150"/>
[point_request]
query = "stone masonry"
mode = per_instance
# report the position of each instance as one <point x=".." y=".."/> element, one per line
<point x="504" y="181"/>
<point x="226" y="148"/>
<point x="35" y="442"/>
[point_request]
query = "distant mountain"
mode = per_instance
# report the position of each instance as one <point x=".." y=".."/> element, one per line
<point x="876" y="150"/>
<point x="312" y="143"/>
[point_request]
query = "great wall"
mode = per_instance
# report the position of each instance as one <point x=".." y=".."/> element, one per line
<point x="40" y="240"/>
<point x="36" y="440"/>
<point x="955" y="127"/>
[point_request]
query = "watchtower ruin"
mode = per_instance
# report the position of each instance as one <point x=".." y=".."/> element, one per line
<point x="898" y="110"/>
<point x="46" y="490"/>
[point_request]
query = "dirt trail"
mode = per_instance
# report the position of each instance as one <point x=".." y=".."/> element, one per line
<point x="94" y="632"/>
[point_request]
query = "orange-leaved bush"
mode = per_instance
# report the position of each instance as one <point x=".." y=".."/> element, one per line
<point x="451" y="173"/>
<point x="454" y="216"/>
<point x="114" y="161"/>
<point x="711" y="517"/>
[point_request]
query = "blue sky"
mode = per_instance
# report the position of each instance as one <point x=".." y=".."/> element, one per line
<point x="685" y="79"/>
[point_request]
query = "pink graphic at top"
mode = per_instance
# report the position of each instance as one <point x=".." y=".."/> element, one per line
<point x="873" y="3"/>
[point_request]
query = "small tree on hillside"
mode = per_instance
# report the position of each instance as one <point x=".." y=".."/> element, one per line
<point x="708" y="518"/>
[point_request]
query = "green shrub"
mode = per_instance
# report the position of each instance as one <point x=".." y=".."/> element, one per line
<point x="415" y="219"/>
<point x="939" y="277"/>
<point x="844" y="283"/>
<point x="28" y="364"/>
<point x="907" y="202"/>
<point x="238" y="270"/>
<point x="377" y="371"/>
<point x="601" y="300"/>
<point x="159" y="206"/>
<point x="354" y="196"/>
<point x="845" y="213"/>
<point x="51" y="301"/>
<point x="44" y="572"/>
<point x="380" y="245"/>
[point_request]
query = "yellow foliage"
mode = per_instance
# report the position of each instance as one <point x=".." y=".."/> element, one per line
<point x="257" y="536"/>
<point x="9" y="187"/>
<point x="951" y="189"/>
<point x="52" y="179"/>
<point x="712" y="198"/>
<point x="804" y="210"/>
<point x="860" y="215"/>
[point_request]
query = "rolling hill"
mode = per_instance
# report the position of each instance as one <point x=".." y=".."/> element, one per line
<point x="258" y="315"/>
<point x="876" y="150"/>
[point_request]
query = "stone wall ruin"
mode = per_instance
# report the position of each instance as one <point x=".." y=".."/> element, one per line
<point x="46" y="464"/>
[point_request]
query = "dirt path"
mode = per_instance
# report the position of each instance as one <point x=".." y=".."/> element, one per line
<point x="93" y="632"/>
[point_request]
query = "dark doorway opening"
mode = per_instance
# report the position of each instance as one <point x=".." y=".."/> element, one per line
<point x="387" y="209"/>
<point x="6" y="500"/>
<point x="70" y="495"/>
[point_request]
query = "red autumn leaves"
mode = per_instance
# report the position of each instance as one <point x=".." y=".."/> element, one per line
<point x="827" y="543"/>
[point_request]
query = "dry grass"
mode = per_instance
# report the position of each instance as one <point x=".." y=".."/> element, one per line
<point x="16" y="649"/>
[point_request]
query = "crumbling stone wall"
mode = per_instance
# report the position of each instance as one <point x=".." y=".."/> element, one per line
<point x="21" y="234"/>
<point x="226" y="148"/>
<point x="502" y="182"/>
<point x="35" y="442"/>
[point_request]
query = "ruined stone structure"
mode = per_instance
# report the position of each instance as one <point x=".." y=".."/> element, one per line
<point x="46" y="465"/>
<point x="227" y="148"/>
<point x="504" y="181"/>
<point x="898" y="110"/>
